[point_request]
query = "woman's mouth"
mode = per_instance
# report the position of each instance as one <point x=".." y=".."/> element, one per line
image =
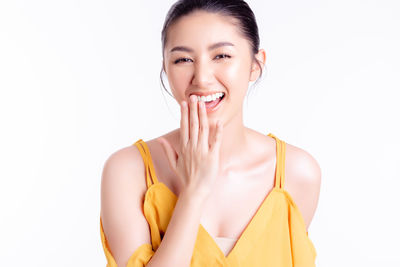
<point x="213" y="105"/>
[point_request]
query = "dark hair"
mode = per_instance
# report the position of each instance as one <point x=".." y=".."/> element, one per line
<point x="237" y="9"/>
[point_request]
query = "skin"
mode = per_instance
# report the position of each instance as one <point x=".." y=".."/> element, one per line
<point x="246" y="158"/>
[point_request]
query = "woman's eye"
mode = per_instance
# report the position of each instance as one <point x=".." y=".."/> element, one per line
<point x="225" y="55"/>
<point x="181" y="59"/>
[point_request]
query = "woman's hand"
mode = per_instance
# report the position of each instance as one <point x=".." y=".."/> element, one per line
<point x="197" y="162"/>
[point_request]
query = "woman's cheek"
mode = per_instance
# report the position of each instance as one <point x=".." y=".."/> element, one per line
<point x="178" y="81"/>
<point x="232" y="75"/>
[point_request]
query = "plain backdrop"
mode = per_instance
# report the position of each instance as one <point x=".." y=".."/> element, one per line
<point x="79" y="80"/>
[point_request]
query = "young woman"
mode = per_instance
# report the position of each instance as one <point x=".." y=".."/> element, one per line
<point x="212" y="192"/>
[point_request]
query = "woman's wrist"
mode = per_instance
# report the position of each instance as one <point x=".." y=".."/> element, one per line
<point x="195" y="196"/>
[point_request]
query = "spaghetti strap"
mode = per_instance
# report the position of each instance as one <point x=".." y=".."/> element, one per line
<point x="280" y="162"/>
<point x="282" y="165"/>
<point x="145" y="152"/>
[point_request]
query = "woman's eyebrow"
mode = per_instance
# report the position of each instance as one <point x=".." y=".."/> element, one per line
<point x="211" y="47"/>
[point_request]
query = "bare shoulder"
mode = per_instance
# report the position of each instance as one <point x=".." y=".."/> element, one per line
<point x="123" y="187"/>
<point x="302" y="180"/>
<point x="123" y="167"/>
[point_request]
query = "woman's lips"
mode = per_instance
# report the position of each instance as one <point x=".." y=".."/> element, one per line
<point x="213" y="106"/>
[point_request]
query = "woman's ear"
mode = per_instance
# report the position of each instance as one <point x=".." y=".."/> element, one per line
<point x="163" y="66"/>
<point x="255" y="68"/>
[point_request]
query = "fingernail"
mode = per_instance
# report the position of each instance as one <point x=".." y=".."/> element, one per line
<point x="193" y="98"/>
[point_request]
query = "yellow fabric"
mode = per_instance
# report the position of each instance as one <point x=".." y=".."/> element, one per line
<point x="275" y="237"/>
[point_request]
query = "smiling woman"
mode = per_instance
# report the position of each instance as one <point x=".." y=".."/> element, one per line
<point x="212" y="192"/>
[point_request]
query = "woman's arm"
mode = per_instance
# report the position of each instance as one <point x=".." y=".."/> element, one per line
<point x="176" y="248"/>
<point x="125" y="227"/>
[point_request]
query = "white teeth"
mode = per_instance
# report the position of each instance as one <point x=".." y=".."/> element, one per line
<point x="209" y="97"/>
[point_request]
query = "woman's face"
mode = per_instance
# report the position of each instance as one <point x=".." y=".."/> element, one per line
<point x="198" y="67"/>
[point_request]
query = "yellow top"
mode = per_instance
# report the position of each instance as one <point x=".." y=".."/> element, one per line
<point x="276" y="236"/>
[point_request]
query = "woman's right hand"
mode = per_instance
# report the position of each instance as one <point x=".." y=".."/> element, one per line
<point x="196" y="163"/>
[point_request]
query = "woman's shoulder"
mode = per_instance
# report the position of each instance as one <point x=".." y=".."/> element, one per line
<point x="125" y="167"/>
<point x="301" y="165"/>
<point x="302" y="174"/>
<point x="302" y="180"/>
<point x="298" y="161"/>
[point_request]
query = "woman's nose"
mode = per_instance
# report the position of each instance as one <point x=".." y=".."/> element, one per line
<point x="203" y="75"/>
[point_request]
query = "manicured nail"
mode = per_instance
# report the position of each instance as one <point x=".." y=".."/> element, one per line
<point x="193" y="98"/>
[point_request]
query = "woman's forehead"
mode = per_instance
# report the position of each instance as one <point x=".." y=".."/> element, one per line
<point x="203" y="29"/>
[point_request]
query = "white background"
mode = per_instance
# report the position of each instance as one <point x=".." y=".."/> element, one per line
<point x="80" y="80"/>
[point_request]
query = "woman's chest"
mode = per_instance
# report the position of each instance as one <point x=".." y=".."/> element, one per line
<point x="228" y="211"/>
<point x="235" y="198"/>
